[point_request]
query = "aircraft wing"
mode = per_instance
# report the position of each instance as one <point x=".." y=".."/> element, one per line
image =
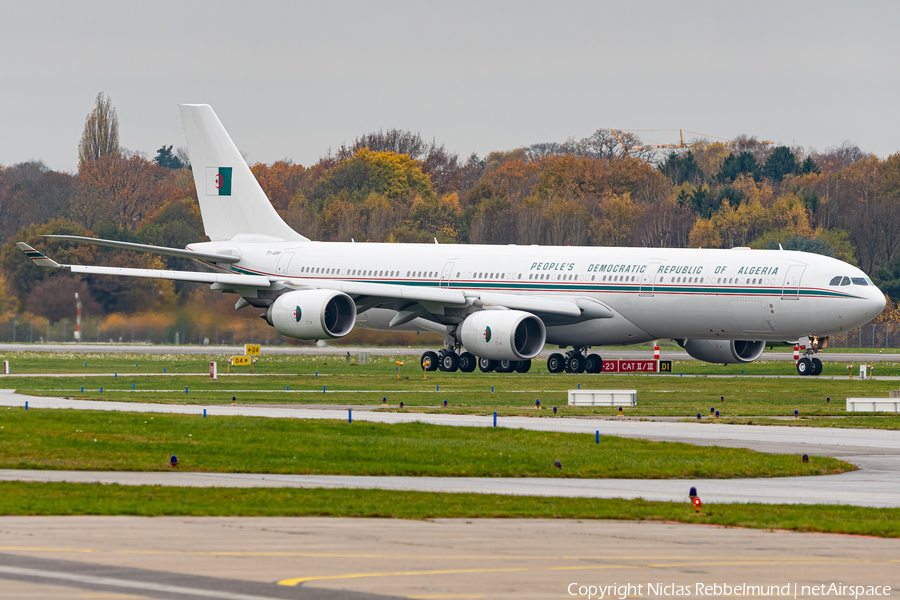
<point x="40" y="259"/>
<point x="367" y="295"/>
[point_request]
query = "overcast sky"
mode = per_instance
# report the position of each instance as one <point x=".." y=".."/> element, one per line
<point x="291" y="79"/>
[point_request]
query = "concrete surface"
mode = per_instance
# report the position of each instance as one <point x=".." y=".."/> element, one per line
<point x="249" y="558"/>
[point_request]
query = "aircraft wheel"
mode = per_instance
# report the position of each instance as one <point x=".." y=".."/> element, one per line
<point x="804" y="366"/>
<point x="816" y="366"/>
<point x="505" y="366"/>
<point x="467" y="362"/>
<point x="487" y="365"/>
<point x="523" y="366"/>
<point x="449" y="362"/>
<point x="429" y="361"/>
<point x="593" y="364"/>
<point x="576" y="363"/>
<point x="556" y="363"/>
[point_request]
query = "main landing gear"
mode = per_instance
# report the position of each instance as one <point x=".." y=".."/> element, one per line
<point x="451" y="360"/>
<point x="448" y="360"/>
<point x="575" y="361"/>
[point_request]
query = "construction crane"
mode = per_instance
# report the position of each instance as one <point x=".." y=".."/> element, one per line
<point x="660" y="146"/>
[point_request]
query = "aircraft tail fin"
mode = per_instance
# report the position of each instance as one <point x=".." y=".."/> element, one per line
<point x="232" y="203"/>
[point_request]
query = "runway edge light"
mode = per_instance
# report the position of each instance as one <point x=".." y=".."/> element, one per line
<point x="173" y="462"/>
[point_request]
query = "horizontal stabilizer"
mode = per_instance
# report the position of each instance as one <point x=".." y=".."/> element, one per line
<point x="224" y="258"/>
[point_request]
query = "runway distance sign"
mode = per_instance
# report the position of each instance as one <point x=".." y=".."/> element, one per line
<point x="637" y="366"/>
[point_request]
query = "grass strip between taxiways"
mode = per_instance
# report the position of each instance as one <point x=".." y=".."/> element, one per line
<point x="120" y="441"/>
<point x="17" y="498"/>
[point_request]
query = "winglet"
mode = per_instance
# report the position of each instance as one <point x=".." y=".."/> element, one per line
<point x="36" y="257"/>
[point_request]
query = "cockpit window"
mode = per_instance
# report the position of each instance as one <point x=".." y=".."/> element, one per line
<point x="835" y="280"/>
<point x="859" y="280"/>
<point x="845" y="281"/>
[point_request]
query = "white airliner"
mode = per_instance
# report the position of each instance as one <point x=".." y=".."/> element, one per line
<point x="497" y="306"/>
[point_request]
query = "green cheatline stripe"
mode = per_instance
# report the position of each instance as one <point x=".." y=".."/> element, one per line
<point x="33" y="254"/>
<point x="582" y="287"/>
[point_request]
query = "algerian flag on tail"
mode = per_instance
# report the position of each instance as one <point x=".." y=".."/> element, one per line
<point x="218" y="181"/>
<point x="232" y="202"/>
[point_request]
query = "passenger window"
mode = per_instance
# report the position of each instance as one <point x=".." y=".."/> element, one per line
<point x="859" y="281"/>
<point x="845" y="281"/>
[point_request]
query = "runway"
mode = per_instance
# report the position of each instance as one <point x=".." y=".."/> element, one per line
<point x="329" y="558"/>
<point x="610" y="353"/>
<point x="876" y="452"/>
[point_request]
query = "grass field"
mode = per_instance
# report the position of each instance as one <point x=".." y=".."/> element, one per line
<point x="59" y="439"/>
<point x="301" y="380"/>
<point x="86" y="440"/>
<point x="96" y="499"/>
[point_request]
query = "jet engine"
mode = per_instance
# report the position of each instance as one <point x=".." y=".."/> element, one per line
<point x="724" y="351"/>
<point x="503" y="334"/>
<point x="312" y="314"/>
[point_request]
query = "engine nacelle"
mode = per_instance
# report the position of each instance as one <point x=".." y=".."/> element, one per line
<point x="503" y="334"/>
<point x="724" y="351"/>
<point x="312" y="314"/>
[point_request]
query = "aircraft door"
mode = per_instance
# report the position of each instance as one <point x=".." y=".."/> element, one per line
<point x="648" y="278"/>
<point x="791" y="289"/>
<point x="283" y="263"/>
<point x="446" y="274"/>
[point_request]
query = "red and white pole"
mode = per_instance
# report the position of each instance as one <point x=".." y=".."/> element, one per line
<point x="77" y="318"/>
<point x="655" y="352"/>
<point x="796" y="353"/>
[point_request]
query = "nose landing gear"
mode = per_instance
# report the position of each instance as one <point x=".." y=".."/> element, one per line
<point x="809" y="364"/>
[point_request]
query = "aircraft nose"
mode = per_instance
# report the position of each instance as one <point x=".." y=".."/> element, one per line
<point x="878" y="302"/>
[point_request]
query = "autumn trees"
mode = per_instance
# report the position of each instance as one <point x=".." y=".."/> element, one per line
<point x="396" y="186"/>
<point x="101" y="132"/>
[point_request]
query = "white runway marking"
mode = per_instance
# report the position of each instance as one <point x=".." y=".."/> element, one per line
<point x="124" y="583"/>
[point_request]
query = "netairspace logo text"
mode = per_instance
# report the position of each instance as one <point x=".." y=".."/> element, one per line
<point x="620" y="592"/>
